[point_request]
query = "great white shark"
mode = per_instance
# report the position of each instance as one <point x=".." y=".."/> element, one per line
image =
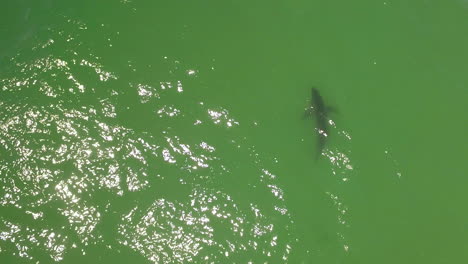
<point x="320" y="112"/>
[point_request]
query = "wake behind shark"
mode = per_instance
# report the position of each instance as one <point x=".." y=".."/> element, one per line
<point x="320" y="111"/>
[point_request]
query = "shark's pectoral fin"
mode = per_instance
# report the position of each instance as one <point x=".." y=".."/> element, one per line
<point x="331" y="109"/>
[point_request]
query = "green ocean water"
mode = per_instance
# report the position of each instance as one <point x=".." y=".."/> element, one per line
<point x="174" y="132"/>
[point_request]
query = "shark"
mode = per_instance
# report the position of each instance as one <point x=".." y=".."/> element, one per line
<point x="319" y="110"/>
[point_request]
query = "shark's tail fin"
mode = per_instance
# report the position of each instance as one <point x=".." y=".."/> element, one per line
<point x="320" y="146"/>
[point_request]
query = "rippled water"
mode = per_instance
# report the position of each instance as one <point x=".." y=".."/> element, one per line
<point x="92" y="156"/>
<point x="74" y="173"/>
<point x="165" y="133"/>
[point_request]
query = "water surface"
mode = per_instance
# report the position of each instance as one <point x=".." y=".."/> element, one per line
<point x="173" y="132"/>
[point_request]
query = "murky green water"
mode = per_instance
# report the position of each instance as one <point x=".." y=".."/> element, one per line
<point x="173" y="132"/>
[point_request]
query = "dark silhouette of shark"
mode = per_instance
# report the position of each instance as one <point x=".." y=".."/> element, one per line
<point x="320" y="111"/>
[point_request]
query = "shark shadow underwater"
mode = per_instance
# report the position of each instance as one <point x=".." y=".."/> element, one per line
<point x="320" y="112"/>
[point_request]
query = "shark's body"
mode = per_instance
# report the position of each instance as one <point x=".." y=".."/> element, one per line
<point x="320" y="112"/>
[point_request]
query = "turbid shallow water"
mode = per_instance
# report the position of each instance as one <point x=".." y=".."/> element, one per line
<point x="174" y="132"/>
